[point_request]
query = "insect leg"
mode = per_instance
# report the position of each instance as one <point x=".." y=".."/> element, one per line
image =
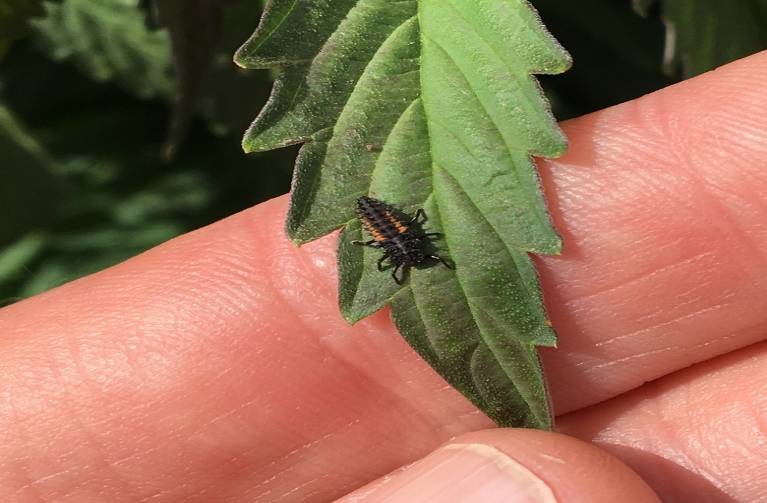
<point x="443" y="261"/>
<point x="380" y="262"/>
<point x="419" y="214"/>
<point x="394" y="274"/>
<point x="372" y="243"/>
<point x="433" y="234"/>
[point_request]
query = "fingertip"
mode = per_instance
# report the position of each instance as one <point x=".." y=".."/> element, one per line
<point x="511" y="465"/>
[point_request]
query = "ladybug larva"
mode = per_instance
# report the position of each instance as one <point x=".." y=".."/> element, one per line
<point x="403" y="241"/>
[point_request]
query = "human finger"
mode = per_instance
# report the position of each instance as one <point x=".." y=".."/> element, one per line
<point x="696" y="435"/>
<point x="510" y="465"/>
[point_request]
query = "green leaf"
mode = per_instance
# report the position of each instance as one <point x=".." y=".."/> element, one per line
<point x="110" y="41"/>
<point x="426" y="104"/>
<point x="14" y="258"/>
<point x="704" y="34"/>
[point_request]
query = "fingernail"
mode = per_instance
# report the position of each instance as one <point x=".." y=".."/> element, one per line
<point x="468" y="472"/>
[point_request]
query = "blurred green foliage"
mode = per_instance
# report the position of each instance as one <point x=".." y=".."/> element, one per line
<point x="120" y="120"/>
<point x="108" y="40"/>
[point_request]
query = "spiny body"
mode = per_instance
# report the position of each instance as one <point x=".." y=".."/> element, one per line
<point x="403" y="242"/>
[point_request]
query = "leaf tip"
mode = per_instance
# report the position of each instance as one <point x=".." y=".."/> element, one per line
<point x="547" y="341"/>
<point x="353" y="311"/>
<point x="239" y="58"/>
<point x="256" y="140"/>
<point x="567" y="62"/>
<point x="564" y="142"/>
<point x="297" y="229"/>
<point x="296" y="237"/>
<point x="349" y="315"/>
<point x="247" y="144"/>
<point x="546" y="336"/>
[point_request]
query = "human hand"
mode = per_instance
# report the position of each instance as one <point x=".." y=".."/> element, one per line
<point x="216" y="367"/>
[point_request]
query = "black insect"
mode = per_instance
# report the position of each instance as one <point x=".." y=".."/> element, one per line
<point x="403" y="241"/>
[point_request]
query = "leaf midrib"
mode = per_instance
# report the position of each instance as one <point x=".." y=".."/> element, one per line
<point x="470" y="305"/>
<point x="277" y="26"/>
<point x="468" y="197"/>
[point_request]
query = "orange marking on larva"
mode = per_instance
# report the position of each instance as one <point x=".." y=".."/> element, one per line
<point x="401" y="228"/>
<point x="373" y="231"/>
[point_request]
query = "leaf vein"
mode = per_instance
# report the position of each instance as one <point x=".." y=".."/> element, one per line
<point x="514" y="170"/>
<point x="490" y="225"/>
<point x="276" y="27"/>
<point x="472" y="310"/>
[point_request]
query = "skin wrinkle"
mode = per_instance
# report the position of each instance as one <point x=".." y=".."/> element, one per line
<point x="32" y="484"/>
<point x="97" y="454"/>
<point x="725" y="338"/>
<point x="22" y="470"/>
<point x="760" y="418"/>
<point x="286" y="457"/>
<point x="654" y="327"/>
<point x="689" y="454"/>
<point x="747" y="450"/>
<point x="555" y="459"/>
<point x="726" y="213"/>
<point x="84" y="426"/>
<point x="753" y="209"/>
<point x="426" y="472"/>
<point x="304" y="265"/>
<point x="725" y="295"/>
<point x="644" y="376"/>
<point x="133" y="491"/>
<point x="293" y="490"/>
<point x="281" y="473"/>
<point x="630" y="358"/>
<point x="699" y="412"/>
<point x="85" y="435"/>
<point x="397" y="397"/>
<point x="644" y="276"/>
